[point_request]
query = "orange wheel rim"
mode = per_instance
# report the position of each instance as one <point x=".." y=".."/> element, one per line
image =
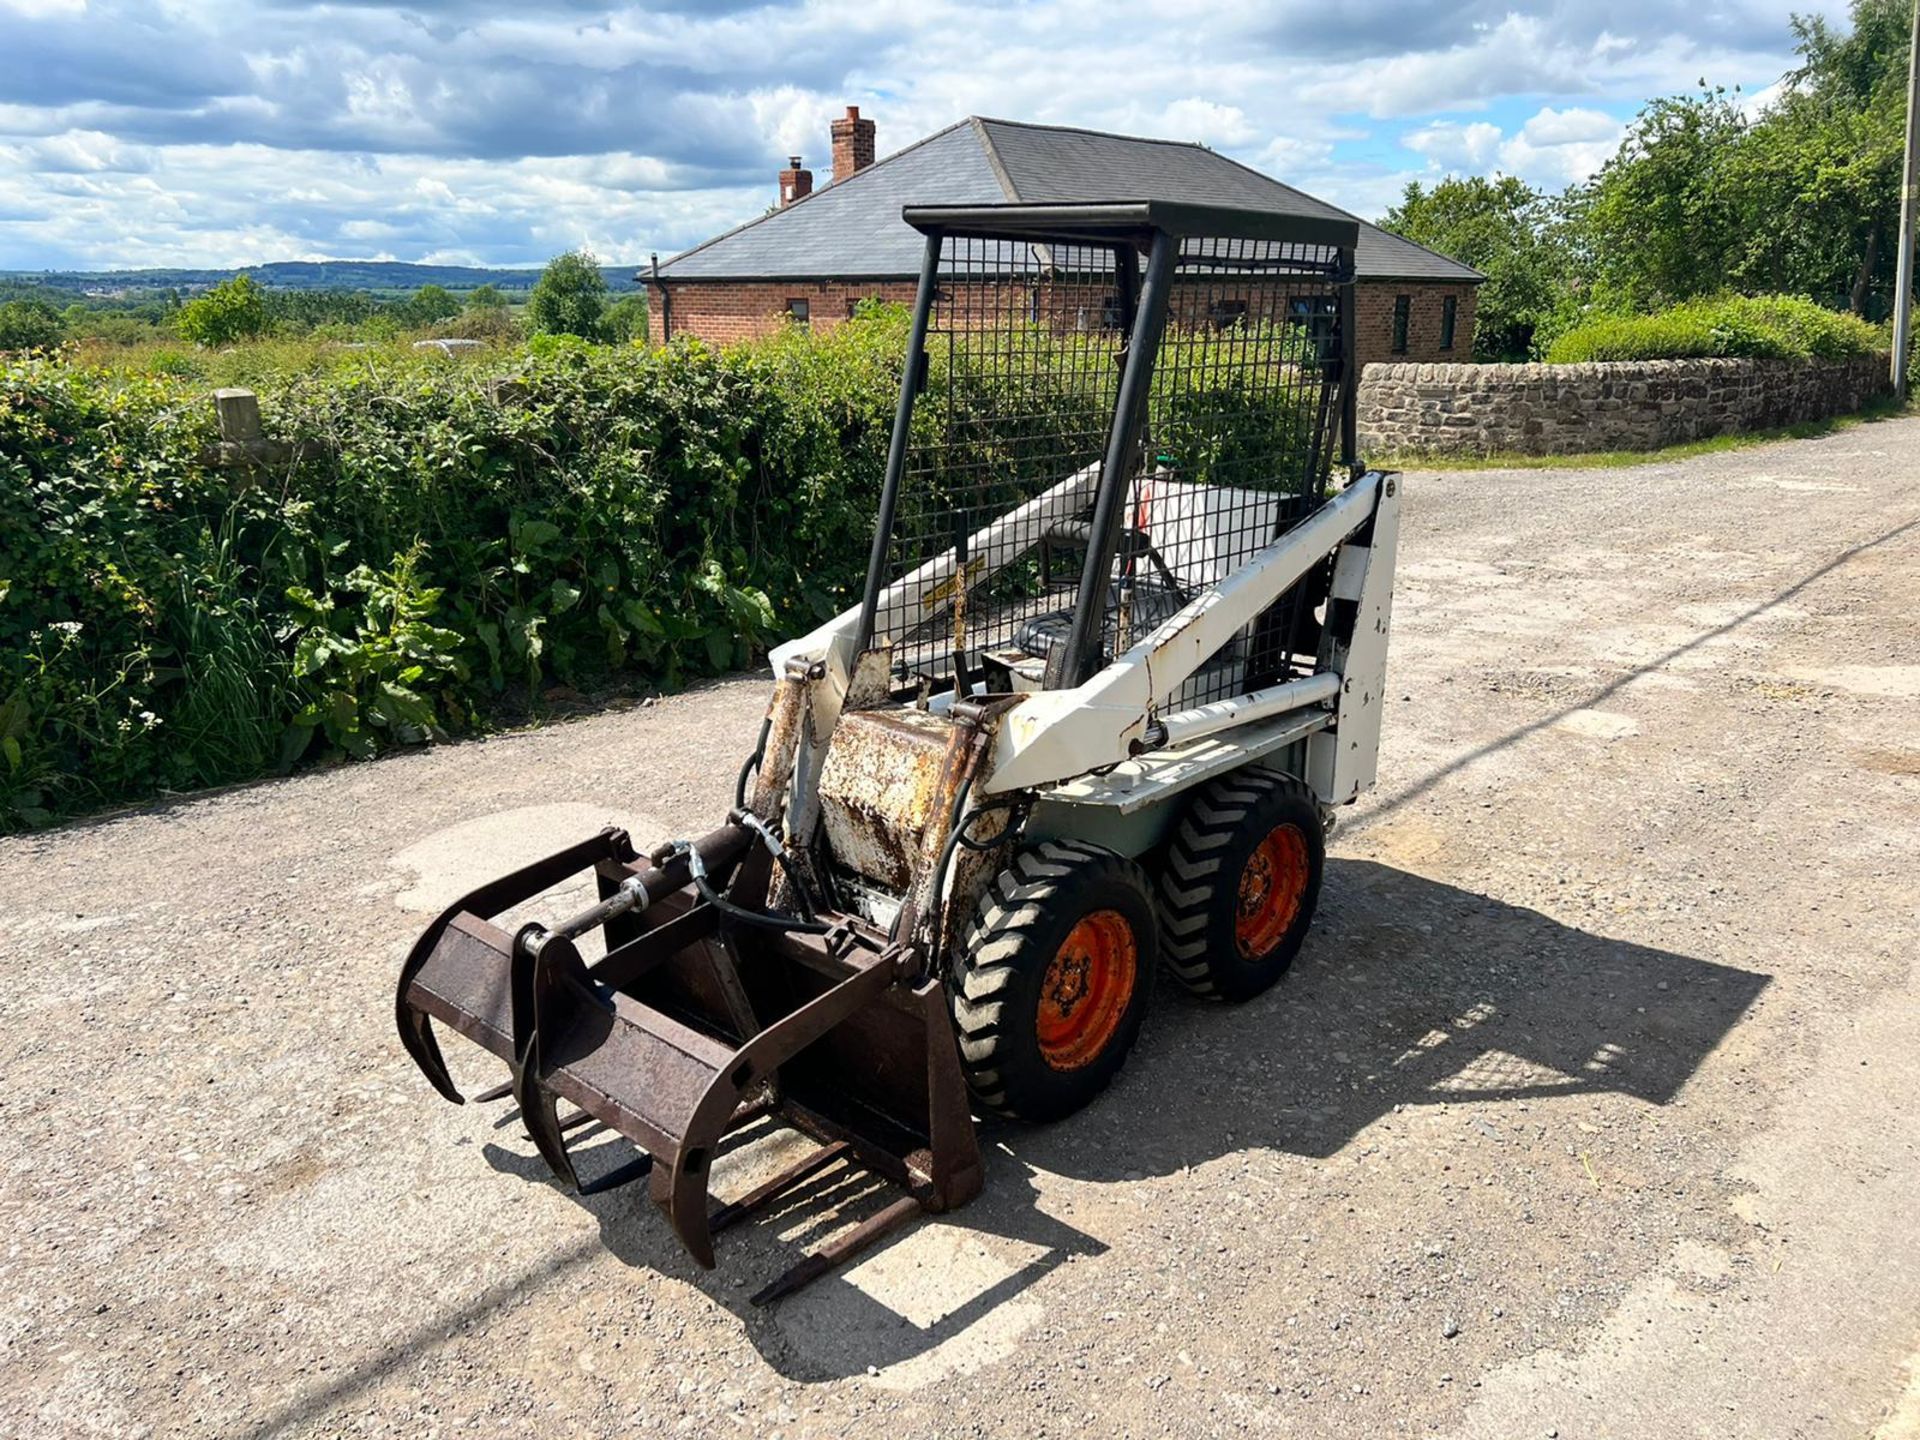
<point x="1086" y="990"/>
<point x="1273" y="886"/>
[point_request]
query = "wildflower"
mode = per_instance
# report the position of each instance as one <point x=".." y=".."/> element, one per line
<point x="149" y="719"/>
<point x="66" y="627"/>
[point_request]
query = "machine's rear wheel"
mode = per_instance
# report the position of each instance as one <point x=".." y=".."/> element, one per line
<point x="1052" y="979"/>
<point x="1241" y="879"/>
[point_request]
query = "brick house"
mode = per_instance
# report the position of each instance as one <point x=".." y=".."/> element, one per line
<point x="813" y="258"/>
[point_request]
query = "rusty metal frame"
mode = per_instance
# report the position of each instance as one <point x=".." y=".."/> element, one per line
<point x="637" y="1042"/>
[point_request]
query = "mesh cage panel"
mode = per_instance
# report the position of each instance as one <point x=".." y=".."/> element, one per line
<point x="1025" y="346"/>
<point x="1023" y="349"/>
<point x="1238" y="437"/>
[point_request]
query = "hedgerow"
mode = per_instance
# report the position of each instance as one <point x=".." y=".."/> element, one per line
<point x="439" y="537"/>
<point x="1776" y="327"/>
<point x="437" y="542"/>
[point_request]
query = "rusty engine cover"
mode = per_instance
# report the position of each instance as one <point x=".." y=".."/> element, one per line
<point x="879" y="790"/>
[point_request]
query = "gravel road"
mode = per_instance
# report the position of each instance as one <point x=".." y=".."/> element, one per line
<point x="1589" y="1110"/>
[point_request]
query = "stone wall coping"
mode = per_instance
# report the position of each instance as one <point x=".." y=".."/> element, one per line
<point x="1470" y="373"/>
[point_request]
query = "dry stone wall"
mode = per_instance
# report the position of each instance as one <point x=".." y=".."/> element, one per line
<point x="1610" y="405"/>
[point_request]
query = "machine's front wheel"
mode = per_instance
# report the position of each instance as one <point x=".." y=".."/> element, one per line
<point x="1052" y="979"/>
<point x="1241" y="879"/>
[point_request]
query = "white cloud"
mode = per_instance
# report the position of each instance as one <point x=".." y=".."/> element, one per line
<point x="1456" y="146"/>
<point x="1553" y="148"/>
<point x="1560" y="147"/>
<point x="1207" y="121"/>
<point x="503" y="131"/>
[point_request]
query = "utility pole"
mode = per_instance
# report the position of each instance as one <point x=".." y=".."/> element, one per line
<point x="1903" y="271"/>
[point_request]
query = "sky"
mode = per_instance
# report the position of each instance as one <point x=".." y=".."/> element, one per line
<point x="502" y="132"/>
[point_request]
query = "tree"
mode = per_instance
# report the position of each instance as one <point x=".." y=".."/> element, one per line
<point x="1821" y="169"/>
<point x="428" y="305"/>
<point x="486" y="297"/>
<point x="28" y="325"/>
<point x="1662" y="218"/>
<point x="1802" y="198"/>
<point x="570" y="296"/>
<point x="626" y="319"/>
<point x="1509" y="233"/>
<point x="233" y="310"/>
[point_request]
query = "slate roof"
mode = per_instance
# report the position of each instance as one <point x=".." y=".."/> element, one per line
<point x="852" y="229"/>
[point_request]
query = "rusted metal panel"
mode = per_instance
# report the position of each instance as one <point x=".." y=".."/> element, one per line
<point x="880" y="788"/>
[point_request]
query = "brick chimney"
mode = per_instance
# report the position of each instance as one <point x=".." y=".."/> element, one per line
<point x="795" y="183"/>
<point x="852" y="144"/>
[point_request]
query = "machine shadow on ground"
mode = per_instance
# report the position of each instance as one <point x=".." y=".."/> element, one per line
<point x="1410" y="992"/>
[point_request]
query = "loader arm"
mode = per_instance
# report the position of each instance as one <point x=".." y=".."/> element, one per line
<point x="1058" y="734"/>
<point x="990" y="549"/>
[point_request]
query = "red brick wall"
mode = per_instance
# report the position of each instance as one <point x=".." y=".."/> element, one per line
<point x="1373" y="321"/>
<point x="727" y="311"/>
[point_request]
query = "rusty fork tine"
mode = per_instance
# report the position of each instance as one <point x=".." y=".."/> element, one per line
<point x="837" y="1252"/>
<point x="498" y="1092"/>
<point x="735" y="1211"/>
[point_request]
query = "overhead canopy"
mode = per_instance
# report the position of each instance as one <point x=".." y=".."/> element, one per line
<point x="1109" y="222"/>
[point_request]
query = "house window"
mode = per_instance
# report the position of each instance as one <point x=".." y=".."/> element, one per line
<point x="1319" y="316"/>
<point x="1402" y="312"/>
<point x="853" y="306"/>
<point x="1449" y="312"/>
<point x="1225" y="314"/>
<point x="800" y="312"/>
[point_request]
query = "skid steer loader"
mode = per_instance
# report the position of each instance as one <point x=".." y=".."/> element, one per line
<point x="1120" y="652"/>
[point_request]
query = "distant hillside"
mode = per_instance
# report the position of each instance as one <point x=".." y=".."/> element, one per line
<point x="375" y="275"/>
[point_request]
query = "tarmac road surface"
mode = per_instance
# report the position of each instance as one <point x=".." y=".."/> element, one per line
<point x="1590" y="1109"/>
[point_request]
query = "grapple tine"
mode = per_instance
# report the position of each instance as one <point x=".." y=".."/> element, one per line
<point x="534" y="968"/>
<point x="415" y="1027"/>
<point x="541" y="1115"/>
<point x="682" y="1190"/>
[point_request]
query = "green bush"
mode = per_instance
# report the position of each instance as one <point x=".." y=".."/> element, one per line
<point x="28" y="325"/>
<point x="231" y="311"/>
<point x="1775" y="327"/>
<point x="446" y="538"/>
<point x="442" y="536"/>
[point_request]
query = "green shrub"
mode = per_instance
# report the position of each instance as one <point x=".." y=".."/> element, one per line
<point x="231" y="311"/>
<point x="444" y="538"/>
<point x="1776" y="327"/>
<point x="28" y="325"/>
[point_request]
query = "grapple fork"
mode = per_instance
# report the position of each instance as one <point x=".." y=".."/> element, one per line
<point x="696" y="1021"/>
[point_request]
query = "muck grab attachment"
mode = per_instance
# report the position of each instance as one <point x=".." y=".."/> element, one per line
<point x="1120" y="652"/>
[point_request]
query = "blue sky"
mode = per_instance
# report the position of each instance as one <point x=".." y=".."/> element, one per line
<point x="500" y="132"/>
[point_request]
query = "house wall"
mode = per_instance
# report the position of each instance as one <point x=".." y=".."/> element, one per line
<point x="726" y="311"/>
<point x="1373" y="302"/>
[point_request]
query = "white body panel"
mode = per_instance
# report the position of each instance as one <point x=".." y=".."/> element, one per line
<point x="1341" y="762"/>
<point x="1055" y="735"/>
